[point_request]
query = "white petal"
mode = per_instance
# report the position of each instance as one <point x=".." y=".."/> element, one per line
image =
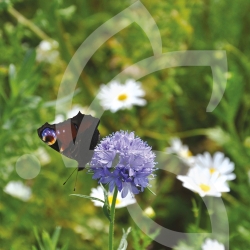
<point x="231" y="176"/>
<point x="19" y="190"/>
<point x="218" y="158"/>
<point x="212" y="245"/>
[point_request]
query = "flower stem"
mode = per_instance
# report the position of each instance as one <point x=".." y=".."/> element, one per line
<point x="198" y="218"/>
<point x="26" y="22"/>
<point x="112" y="220"/>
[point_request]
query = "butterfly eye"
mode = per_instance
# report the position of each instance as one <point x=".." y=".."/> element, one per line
<point x="49" y="136"/>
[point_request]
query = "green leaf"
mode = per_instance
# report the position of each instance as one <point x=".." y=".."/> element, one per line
<point x="24" y="80"/>
<point x="106" y="195"/>
<point x="55" y="237"/>
<point x="195" y="208"/>
<point x="27" y="65"/>
<point x="47" y="241"/>
<point x="67" y="13"/>
<point x="106" y="211"/>
<point x="87" y="197"/>
<point x="136" y="238"/>
<point x="234" y="93"/>
<point x="106" y="206"/>
<point x="123" y="243"/>
<point x="151" y="191"/>
<point x="38" y="239"/>
<point x="65" y="247"/>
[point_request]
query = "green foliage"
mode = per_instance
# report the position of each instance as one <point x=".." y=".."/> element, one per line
<point x="47" y="242"/>
<point x="106" y="205"/>
<point x="176" y="106"/>
<point x="88" y="197"/>
<point x="141" y="240"/>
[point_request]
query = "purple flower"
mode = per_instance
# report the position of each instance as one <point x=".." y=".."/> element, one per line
<point x="124" y="161"/>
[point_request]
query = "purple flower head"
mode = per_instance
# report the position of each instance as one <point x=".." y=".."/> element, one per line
<point x="124" y="161"/>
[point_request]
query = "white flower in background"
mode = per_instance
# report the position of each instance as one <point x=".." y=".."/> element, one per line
<point x="42" y="155"/>
<point x="47" y="51"/>
<point x="149" y="212"/>
<point x="73" y="112"/>
<point x="176" y="147"/>
<point x="217" y="163"/>
<point x="18" y="189"/>
<point x="45" y="45"/>
<point x="120" y="202"/>
<point x="115" y="96"/>
<point x="212" y="245"/>
<point x="200" y="180"/>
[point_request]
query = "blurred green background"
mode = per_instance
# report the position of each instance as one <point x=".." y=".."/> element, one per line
<point x="177" y="99"/>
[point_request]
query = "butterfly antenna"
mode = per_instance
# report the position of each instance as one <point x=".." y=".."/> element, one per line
<point x="76" y="181"/>
<point x="70" y="176"/>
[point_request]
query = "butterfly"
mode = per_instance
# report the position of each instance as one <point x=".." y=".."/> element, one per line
<point x="75" y="138"/>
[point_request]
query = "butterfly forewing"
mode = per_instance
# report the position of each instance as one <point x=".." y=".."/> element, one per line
<point x="75" y="138"/>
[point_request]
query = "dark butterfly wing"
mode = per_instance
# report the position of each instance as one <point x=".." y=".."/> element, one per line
<point x="75" y="138"/>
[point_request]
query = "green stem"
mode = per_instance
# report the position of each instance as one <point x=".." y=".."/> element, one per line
<point x="112" y="220"/>
<point x="198" y="218"/>
<point x="210" y="210"/>
<point x="26" y="22"/>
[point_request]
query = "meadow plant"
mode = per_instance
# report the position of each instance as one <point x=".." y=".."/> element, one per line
<point x="166" y="108"/>
<point x="126" y="164"/>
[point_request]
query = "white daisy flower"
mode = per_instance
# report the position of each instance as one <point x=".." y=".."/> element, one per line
<point x="115" y="96"/>
<point x="217" y="163"/>
<point x="47" y="51"/>
<point x="18" y="189"/>
<point x="200" y="180"/>
<point x="212" y="245"/>
<point x="176" y="147"/>
<point x="120" y="202"/>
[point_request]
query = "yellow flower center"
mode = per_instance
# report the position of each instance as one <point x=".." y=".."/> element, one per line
<point x="186" y="154"/>
<point x="122" y="97"/>
<point x="110" y="199"/>
<point x="212" y="170"/>
<point x="204" y="187"/>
